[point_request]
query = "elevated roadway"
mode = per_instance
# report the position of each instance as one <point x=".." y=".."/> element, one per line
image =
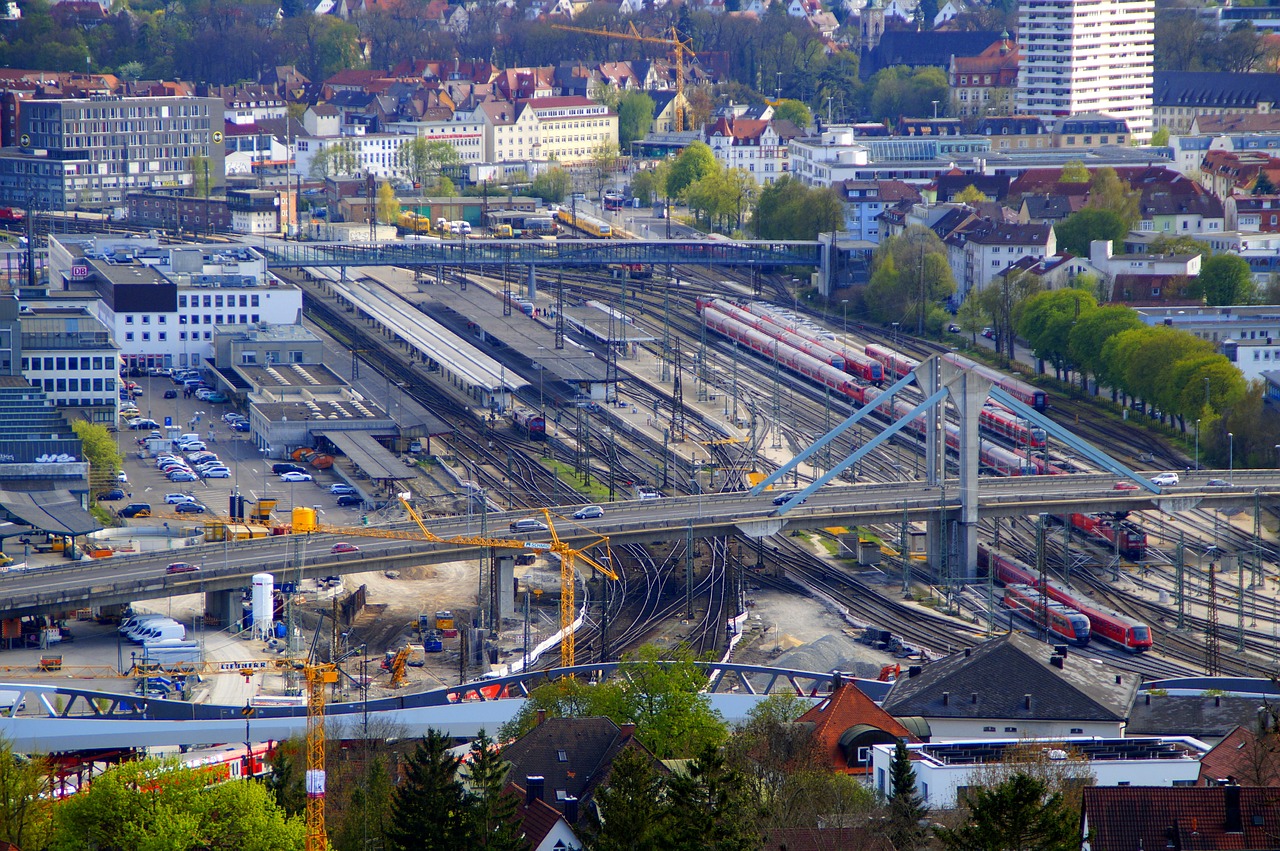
<point x="227" y="566"/>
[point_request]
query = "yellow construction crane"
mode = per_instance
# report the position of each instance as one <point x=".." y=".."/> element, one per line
<point x="679" y="46"/>
<point x="318" y="676"/>
<point x="568" y="556"/>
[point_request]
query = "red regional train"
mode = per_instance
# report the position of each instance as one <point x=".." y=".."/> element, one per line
<point x="855" y="362"/>
<point x="898" y="365"/>
<point x="1102" y="527"/>
<point x="1105" y="624"/>
<point x="529" y="423"/>
<point x="816" y="348"/>
<point x="1064" y="622"/>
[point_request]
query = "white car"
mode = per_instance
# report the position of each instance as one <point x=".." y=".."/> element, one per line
<point x="295" y="477"/>
<point x="175" y="498"/>
<point x="216" y="473"/>
<point x="193" y="446"/>
<point x="122" y="476"/>
<point x="1164" y="480"/>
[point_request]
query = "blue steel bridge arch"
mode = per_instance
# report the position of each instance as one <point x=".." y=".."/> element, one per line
<point x="547" y="253"/>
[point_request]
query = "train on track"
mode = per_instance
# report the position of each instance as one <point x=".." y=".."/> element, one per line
<point x="1062" y="621"/>
<point x="898" y="365"/>
<point x="1106" y="529"/>
<point x="589" y="225"/>
<point x="530" y="424"/>
<point x="1104" y="624"/>
<point x="766" y="318"/>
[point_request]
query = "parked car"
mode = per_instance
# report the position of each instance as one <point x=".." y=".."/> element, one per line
<point x="182" y="567"/>
<point x="111" y="495"/>
<point x="190" y="508"/>
<point x="242" y="425"/>
<point x="340" y="488"/>
<point x="176" y="498"/>
<point x="344" y="547"/>
<point x="349" y="499"/>
<point x="136" y="509"/>
<point x="231" y="417"/>
<point x="171" y="394"/>
<point x="193" y="446"/>
<point x="217" y="398"/>
<point x="122" y="477"/>
<point x="287" y="468"/>
<point x="294" y="478"/>
<point x="588" y="512"/>
<point x="216" y="473"/>
<point x="183" y="476"/>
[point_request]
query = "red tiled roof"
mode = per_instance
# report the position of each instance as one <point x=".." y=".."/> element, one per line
<point x="536" y="819"/>
<point x="848" y="707"/>
<point x="1126" y="818"/>
<point x="1241" y="757"/>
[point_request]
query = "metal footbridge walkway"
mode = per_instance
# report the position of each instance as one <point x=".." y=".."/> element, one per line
<point x="63" y="718"/>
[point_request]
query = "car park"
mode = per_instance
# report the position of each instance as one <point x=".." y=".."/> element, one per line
<point x="182" y="567"/>
<point x="588" y="512"/>
<point x="190" y="508"/>
<point x="1164" y="480"/>
<point x="344" y="547"/>
<point x="136" y="509"/>
<point x="175" y="498"/>
<point x="294" y="478"/>
<point x="183" y="476"/>
<point x="340" y="489"/>
<point x="350" y="500"/>
<point x="111" y="495"/>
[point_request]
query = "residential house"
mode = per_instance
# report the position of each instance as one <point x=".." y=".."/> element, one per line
<point x="757" y="147"/>
<point x="1209" y="717"/>
<point x="573" y="756"/>
<point x="929" y="126"/>
<point x="951" y="184"/>
<point x="1253" y="357"/>
<point x="1052" y="273"/>
<point x="847" y="724"/>
<point x="1248" y="756"/>
<point x="1142" y="278"/>
<point x="1180" y="96"/>
<point x="971" y="694"/>
<point x="1180" y="208"/>
<point x="984" y="85"/>
<point x="1015" y="132"/>
<point x="945" y="771"/>
<point x="981" y="252"/>
<point x="1201" y="817"/>
<point x="1049" y="208"/>
<point x="1214" y="125"/>
<point x="1226" y="172"/>
<point x="543" y="826"/>
<point x="864" y="200"/>
<point x="1253" y="213"/>
<point x="1089" y="130"/>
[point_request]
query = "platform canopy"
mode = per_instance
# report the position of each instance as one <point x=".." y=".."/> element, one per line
<point x="58" y="512"/>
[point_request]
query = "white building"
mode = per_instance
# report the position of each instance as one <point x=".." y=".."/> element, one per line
<point x="1088" y="56"/>
<point x="756" y="146"/>
<point x="944" y="771"/>
<point x="371" y="153"/>
<point x="565" y="129"/>
<point x="465" y="137"/>
<point x="162" y="303"/>
<point x="982" y="252"/>
<point x="827" y="159"/>
<point x="70" y="355"/>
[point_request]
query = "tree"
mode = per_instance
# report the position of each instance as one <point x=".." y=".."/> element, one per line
<point x="1179" y="245"/>
<point x="635" y="116"/>
<point x="1160" y="138"/>
<point x="632" y="804"/>
<point x="788" y="209"/>
<point x="1224" y="279"/>
<point x="920" y="277"/>
<point x="99" y="448"/>
<point x="335" y="160"/>
<point x="1090" y="334"/>
<point x="650" y="184"/>
<point x="286" y="780"/>
<point x="969" y="195"/>
<point x="1108" y="192"/>
<point x="603" y="165"/>
<point x="907" y="808"/>
<point x="1074" y="172"/>
<point x="388" y="204"/>
<point x="153" y="804"/>
<point x="26" y="802"/>
<point x="971" y="317"/>
<point x="429" y="808"/>
<point x="421" y="160"/>
<point x="201" y="179"/>
<point x="1017" y="815"/>
<point x="552" y="185"/>
<point x="1046" y="324"/>
<point x="794" y="111"/>
<point x="1077" y="231"/>
<point x="1263" y="185"/>
<point x="1003" y="300"/>
<point x="710" y="808"/>
<point x="694" y="163"/>
<point x="493" y="809"/>
<point x="899" y="91"/>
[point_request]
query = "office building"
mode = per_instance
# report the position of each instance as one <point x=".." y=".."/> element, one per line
<point x="69" y="354"/>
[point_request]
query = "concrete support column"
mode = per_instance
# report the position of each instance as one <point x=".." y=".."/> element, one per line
<point x="968" y="391"/>
<point x="224" y="605"/>
<point x="506" y="587"/>
<point x="533" y="283"/>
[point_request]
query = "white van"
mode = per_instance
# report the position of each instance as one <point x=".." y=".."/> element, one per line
<point x="150" y="630"/>
<point x="130" y="623"/>
<point x="162" y="631"/>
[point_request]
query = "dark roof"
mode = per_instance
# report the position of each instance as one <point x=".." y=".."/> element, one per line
<point x="588" y="745"/>
<point x="919" y="49"/>
<point x="1193" y="715"/>
<point x="1214" y="89"/>
<point x="1000" y="233"/>
<point x="1090" y="122"/>
<point x="1243" y="758"/>
<point x="1050" y="207"/>
<point x="1169" y="204"/>
<point x="951" y="221"/>
<point x="978" y="683"/>
<point x="1125" y="818"/>
<point x="994" y="186"/>
<point x="1011" y="125"/>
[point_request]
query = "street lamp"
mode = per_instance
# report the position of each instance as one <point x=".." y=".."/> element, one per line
<point x="266" y="453"/>
<point x="844" y="323"/>
<point x="895" y="332"/>
<point x="1231" y="455"/>
<point x="1197" y="446"/>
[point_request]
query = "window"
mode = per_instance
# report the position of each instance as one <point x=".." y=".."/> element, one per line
<point x="62" y="364"/>
<point x="253" y="302"/>
<point x="97" y="363"/>
<point x="1011" y="729"/>
<point x="864" y="756"/>
<point x="146" y="336"/>
<point x="182" y="301"/>
<point x="880" y="780"/>
<point x="48" y="364"/>
<point x="1184" y="783"/>
<point x="1075" y="731"/>
<point x="162" y="336"/>
<point x="146" y="319"/>
<point x="128" y="319"/>
<point x="128" y="336"/>
<point x="924" y="791"/>
<point x="988" y="729"/>
<point x="97" y="385"/>
<point x="561" y="756"/>
<point x="73" y="384"/>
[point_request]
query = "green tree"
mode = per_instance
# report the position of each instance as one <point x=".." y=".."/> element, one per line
<point x="493" y="809"/>
<point x="201" y="178"/>
<point x="1046" y="324"/>
<point x="971" y="317"/>
<point x="919" y="278"/>
<point x="1090" y="335"/>
<point x="788" y="209"/>
<point x="899" y="91"/>
<point x="1017" y="815"/>
<point x="602" y="167"/>
<point x="710" y="808"/>
<point x="153" y="804"/>
<point x="100" y="451"/>
<point x="969" y="195"/>
<point x="429" y="808"/>
<point x="1003" y="300"/>
<point x="552" y="185"/>
<point x="1074" y="172"/>
<point x="1263" y="185"/>
<point x="421" y="160"/>
<point x="286" y="780"/>
<point x="1160" y="138"/>
<point x="1178" y="245"/>
<point x="633" y="806"/>
<point x="794" y="111"/>
<point x="1223" y="279"/>
<point x="635" y="116"/>
<point x="26" y="802"/>
<point x="694" y="163"/>
<point x="650" y="184"/>
<point x="907" y="809"/>
<point x="1079" y="229"/>
<point x="388" y="204"/>
<point x="335" y="160"/>
<point x="1108" y="192"/>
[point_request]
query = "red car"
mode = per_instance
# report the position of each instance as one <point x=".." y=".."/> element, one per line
<point x="182" y="567"/>
<point x="344" y="547"/>
<point x="1125" y="485"/>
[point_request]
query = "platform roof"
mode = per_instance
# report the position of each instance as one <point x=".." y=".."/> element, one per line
<point x="369" y="455"/>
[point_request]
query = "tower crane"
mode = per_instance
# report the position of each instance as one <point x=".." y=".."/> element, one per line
<point x="679" y="46"/>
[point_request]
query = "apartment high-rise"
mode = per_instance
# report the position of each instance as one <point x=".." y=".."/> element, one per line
<point x="1088" y="56"/>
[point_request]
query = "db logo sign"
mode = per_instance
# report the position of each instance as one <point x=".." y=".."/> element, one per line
<point x="79" y="272"/>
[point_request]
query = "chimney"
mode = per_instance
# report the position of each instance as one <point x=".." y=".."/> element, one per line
<point x="627" y="730"/>
<point x="1026" y="701"/>
<point x="966" y="652"/>
<point x="913" y="671"/>
<point x="1232" y="823"/>
<point x="973" y="698"/>
<point x="946" y="698"/>
<point x="1217" y="700"/>
<point x="1060" y="650"/>
<point x="1119" y="680"/>
<point x="1056" y="661"/>
<point x="571" y="809"/>
<point x="533" y="786"/>
<point x="1148" y="698"/>
<point x="836" y="680"/>
<point x="542" y="715"/>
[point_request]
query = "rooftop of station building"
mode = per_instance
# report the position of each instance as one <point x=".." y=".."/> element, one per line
<point x="282" y="375"/>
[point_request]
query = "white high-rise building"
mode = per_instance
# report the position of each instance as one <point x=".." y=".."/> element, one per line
<point x="1088" y="56"/>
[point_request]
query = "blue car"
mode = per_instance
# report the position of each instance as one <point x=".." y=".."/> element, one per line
<point x="242" y="426"/>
